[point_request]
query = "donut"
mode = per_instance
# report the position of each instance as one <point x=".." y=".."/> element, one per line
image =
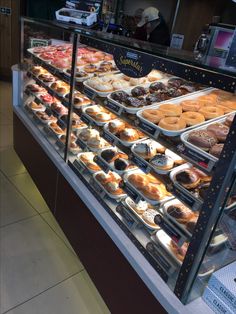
<point x="230" y="104"/>
<point x="229" y="120"/>
<point x="153" y="115"/>
<point x="90" y="68"/>
<point x="153" y="192"/>
<point x="216" y="150"/>
<point x="211" y="112"/>
<point x="190" y="105"/>
<point x="188" y="178"/>
<point x="170" y="110"/>
<point x="224" y="108"/>
<point x="138" y="180"/>
<point x="172" y="123"/>
<point x="210" y="98"/>
<point x="202" y="139"/>
<point x="219" y="130"/>
<point x="193" y="118"/>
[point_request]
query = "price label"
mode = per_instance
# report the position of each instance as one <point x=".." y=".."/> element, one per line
<point x="81" y="144"/>
<point x="98" y="188"/>
<point x="140" y="163"/>
<point x="48" y="111"/>
<point x="155" y="252"/>
<point x="86" y="120"/>
<point x="61" y="124"/>
<point x="37" y="60"/>
<point x="65" y="78"/>
<point x="186" y="198"/>
<point x="89" y="93"/>
<point x="131" y="193"/>
<point x="113" y="107"/>
<point x="65" y="102"/>
<point x="175" y="236"/>
<point x="102" y="164"/>
<point x="27" y="92"/>
<point x="60" y="144"/>
<point x="109" y="138"/>
<point x="78" y="166"/>
<point x="202" y="161"/>
<point x="148" y="128"/>
<point x="56" y="114"/>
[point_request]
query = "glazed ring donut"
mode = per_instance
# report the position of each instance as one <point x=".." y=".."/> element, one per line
<point x="224" y="108"/>
<point x="192" y="118"/>
<point x="211" y="98"/>
<point x="230" y="104"/>
<point x="153" y="115"/>
<point x="172" y="123"/>
<point x="211" y="112"/>
<point x="190" y="105"/>
<point x="171" y="110"/>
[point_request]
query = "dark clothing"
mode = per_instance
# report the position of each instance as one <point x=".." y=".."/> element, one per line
<point x="160" y="35"/>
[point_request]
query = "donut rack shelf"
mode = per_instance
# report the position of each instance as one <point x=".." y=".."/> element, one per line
<point x="202" y="257"/>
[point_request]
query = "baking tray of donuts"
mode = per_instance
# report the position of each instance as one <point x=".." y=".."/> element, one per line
<point x="103" y="86"/>
<point x="208" y="140"/>
<point x="110" y="184"/>
<point x="144" y="211"/>
<point x="180" y="115"/>
<point x="133" y="99"/>
<point x="97" y="115"/>
<point x="141" y="186"/>
<point x="190" y="185"/>
<point x="119" y="131"/>
<point x="88" y="70"/>
<point x="151" y="155"/>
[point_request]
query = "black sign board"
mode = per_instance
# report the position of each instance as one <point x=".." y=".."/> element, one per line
<point x="231" y="59"/>
<point x="133" y="63"/>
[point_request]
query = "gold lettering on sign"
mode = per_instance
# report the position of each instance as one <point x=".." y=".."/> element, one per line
<point x="131" y="63"/>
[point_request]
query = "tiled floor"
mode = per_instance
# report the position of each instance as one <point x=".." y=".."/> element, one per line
<point x="39" y="271"/>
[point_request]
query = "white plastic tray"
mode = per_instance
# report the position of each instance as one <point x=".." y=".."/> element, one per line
<point x="116" y="197"/>
<point x="151" y="201"/>
<point x="184" y="139"/>
<point x="140" y="216"/>
<point x="125" y="143"/>
<point x="177" y="101"/>
<point x="164" y="241"/>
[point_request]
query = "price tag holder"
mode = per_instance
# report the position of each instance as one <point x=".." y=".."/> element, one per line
<point x="113" y="107"/>
<point x="56" y="114"/>
<point x="109" y="138"/>
<point x="202" y="161"/>
<point x="102" y="164"/>
<point x="191" y="202"/>
<point x="86" y="120"/>
<point x="131" y="192"/>
<point x="129" y="220"/>
<point x="81" y="144"/>
<point x="140" y="163"/>
<point x="148" y="129"/>
<point x="60" y="144"/>
<point x="48" y="111"/>
<point x="89" y="93"/>
<point x="99" y="190"/>
<point x="177" y="237"/>
<point x="61" y="124"/>
<point x="65" y="78"/>
<point x="78" y="166"/>
<point x="153" y="249"/>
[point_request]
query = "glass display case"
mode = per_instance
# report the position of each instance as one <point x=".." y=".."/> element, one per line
<point x="150" y="131"/>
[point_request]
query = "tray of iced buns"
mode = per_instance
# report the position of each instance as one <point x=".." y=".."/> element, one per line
<point x="133" y="99"/>
<point x="172" y="118"/>
<point x="208" y="140"/>
<point x="109" y="83"/>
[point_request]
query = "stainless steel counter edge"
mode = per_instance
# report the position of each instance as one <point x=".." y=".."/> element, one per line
<point x="147" y="273"/>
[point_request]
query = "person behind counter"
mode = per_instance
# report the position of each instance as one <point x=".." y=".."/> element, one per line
<point x="153" y="28"/>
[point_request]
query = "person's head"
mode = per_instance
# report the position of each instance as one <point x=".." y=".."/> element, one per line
<point x="149" y="15"/>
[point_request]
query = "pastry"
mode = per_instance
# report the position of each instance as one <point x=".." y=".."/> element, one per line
<point x="37" y="70"/>
<point x="93" y="110"/>
<point x="157" y="86"/>
<point x="86" y="134"/>
<point x="120" y="96"/>
<point x="36" y="89"/>
<point x="170" y="110"/>
<point x="192" y="118"/>
<point x="116" y="126"/>
<point x="180" y="212"/>
<point x="202" y="139"/>
<point x="139" y="207"/>
<point x="188" y="178"/>
<point x="103" y="177"/>
<point x="97" y="142"/>
<point x="176" y="158"/>
<point x="172" y="123"/>
<point x="229" y="120"/>
<point x="47" y="78"/>
<point x="162" y="162"/>
<point x="87" y="159"/>
<point x="152" y="98"/>
<point x="121" y="84"/>
<point x="216" y="150"/>
<point x="148" y="217"/>
<point x="153" y="115"/>
<point x="137" y="81"/>
<point x="114" y="188"/>
<point x="148" y="150"/>
<point x="90" y="68"/>
<point x="202" y="189"/>
<point x="121" y="164"/>
<point x="138" y="180"/>
<point x="102" y="117"/>
<point x="219" y="130"/>
<point x="138" y="91"/>
<point x="36" y="107"/>
<point x="190" y="105"/>
<point x="154" y="192"/>
<point x="109" y="154"/>
<point x="135" y="102"/>
<point x="129" y="135"/>
<point x="154" y="75"/>
<point x="47" y="99"/>
<point x="179" y="252"/>
<point x="211" y="112"/>
<point x="55" y="127"/>
<point x="190" y="225"/>
<point x="45" y="118"/>
<point x="175" y="82"/>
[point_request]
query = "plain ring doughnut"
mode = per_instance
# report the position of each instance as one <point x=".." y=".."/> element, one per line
<point x="172" y="123"/>
<point x="171" y="110"/>
<point x="211" y="112"/>
<point x="153" y="115"/>
<point x="193" y="118"/>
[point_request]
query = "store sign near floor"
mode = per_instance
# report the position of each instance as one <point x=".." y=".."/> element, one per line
<point x="133" y="64"/>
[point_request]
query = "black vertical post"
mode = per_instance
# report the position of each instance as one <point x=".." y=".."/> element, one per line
<point x="71" y="95"/>
<point x="210" y="214"/>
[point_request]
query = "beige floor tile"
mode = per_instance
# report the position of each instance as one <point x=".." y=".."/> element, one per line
<point x="6" y="117"/>
<point x="10" y="163"/>
<point x="73" y="296"/>
<point x="26" y="186"/>
<point x="33" y="259"/>
<point x="51" y="221"/>
<point x="13" y="206"/>
<point x="6" y="135"/>
<point x="6" y="95"/>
